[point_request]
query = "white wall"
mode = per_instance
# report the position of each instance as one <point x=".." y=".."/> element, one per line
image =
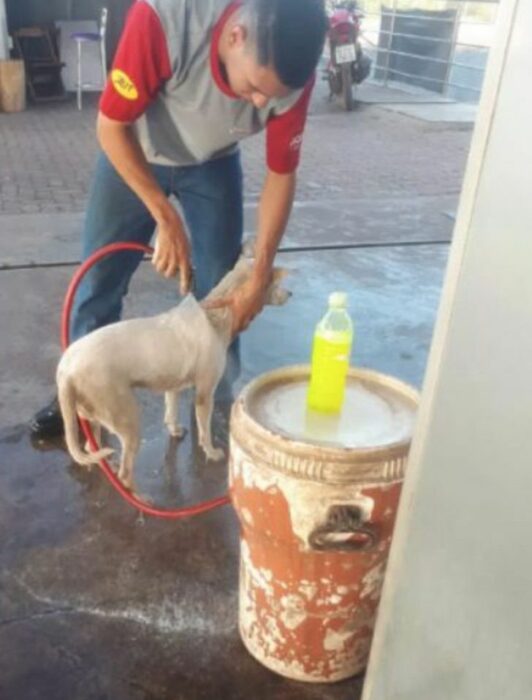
<point x="456" y="616"/>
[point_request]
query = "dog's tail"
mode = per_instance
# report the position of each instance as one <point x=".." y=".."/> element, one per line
<point x="67" y="401"/>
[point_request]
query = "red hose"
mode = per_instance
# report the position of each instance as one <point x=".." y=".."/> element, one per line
<point x="65" y="341"/>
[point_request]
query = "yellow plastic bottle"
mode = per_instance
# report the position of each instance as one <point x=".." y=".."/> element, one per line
<point x="331" y="351"/>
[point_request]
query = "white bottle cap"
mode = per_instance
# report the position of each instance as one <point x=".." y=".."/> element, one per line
<point x="338" y="300"/>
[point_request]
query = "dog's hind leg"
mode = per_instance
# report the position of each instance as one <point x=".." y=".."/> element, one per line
<point x="171" y="414"/>
<point x="127" y="427"/>
<point x="97" y="432"/>
<point x="130" y="447"/>
<point x="204" y="406"/>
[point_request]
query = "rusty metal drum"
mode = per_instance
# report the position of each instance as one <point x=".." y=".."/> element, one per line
<point x="316" y="497"/>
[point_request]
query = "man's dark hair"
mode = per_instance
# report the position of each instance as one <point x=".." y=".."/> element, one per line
<point x="289" y="35"/>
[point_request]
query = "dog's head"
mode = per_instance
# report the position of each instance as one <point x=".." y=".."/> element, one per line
<point x="220" y="316"/>
<point x="276" y="295"/>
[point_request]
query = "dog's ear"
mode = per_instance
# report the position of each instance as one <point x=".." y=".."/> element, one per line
<point x="248" y="247"/>
<point x="279" y="273"/>
<point x="277" y="296"/>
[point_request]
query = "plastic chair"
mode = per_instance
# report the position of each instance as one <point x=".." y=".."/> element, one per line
<point x="82" y="38"/>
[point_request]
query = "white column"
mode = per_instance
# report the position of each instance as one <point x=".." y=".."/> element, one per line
<point x="4" y="42"/>
<point x="456" y="616"/>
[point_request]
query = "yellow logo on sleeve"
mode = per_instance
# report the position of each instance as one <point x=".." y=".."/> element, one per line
<point x="124" y="85"/>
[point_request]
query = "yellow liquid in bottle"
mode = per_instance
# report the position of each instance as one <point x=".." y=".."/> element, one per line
<point x="330" y="362"/>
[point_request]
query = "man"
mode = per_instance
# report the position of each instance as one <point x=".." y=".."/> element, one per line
<point x="190" y="79"/>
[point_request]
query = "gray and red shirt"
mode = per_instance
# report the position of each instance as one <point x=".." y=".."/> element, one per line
<point x="167" y="79"/>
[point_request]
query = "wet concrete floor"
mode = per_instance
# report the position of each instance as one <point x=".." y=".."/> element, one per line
<point x="98" y="602"/>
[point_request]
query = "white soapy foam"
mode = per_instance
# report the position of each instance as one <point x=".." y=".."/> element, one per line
<point x="372" y="415"/>
<point x="167" y="616"/>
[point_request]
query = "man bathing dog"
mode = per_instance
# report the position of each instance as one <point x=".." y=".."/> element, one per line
<point x="191" y="78"/>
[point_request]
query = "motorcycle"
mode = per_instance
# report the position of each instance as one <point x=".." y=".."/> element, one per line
<point x="348" y="65"/>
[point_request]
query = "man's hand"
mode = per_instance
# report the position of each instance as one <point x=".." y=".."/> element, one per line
<point x="172" y="251"/>
<point x="245" y="303"/>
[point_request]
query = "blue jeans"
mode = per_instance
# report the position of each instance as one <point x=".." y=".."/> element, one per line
<point x="211" y="197"/>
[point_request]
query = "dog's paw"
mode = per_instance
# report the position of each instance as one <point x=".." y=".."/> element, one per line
<point x="176" y="431"/>
<point x="89" y="467"/>
<point x="148" y="500"/>
<point x="87" y="448"/>
<point x="214" y="454"/>
<point x="130" y="485"/>
<point x="114" y="464"/>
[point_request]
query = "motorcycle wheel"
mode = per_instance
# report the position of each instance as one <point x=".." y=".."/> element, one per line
<point x="362" y="68"/>
<point x="333" y="86"/>
<point x="347" y="87"/>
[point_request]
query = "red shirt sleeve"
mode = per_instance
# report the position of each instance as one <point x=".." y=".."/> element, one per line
<point x="284" y="134"/>
<point x="140" y="67"/>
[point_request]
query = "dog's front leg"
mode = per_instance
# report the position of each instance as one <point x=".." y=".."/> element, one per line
<point x="204" y="406"/>
<point x="171" y="414"/>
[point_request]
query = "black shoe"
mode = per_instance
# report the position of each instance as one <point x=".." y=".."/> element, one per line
<point x="47" y="423"/>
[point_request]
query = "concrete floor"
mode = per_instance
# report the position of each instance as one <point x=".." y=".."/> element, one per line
<point x="458" y="112"/>
<point x="97" y="602"/>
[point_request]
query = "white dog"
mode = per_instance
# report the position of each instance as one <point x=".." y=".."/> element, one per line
<point x="184" y="347"/>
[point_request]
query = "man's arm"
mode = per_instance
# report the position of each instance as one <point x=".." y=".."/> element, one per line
<point x="172" y="249"/>
<point x="141" y="66"/>
<point x="283" y="143"/>
<point x="274" y="209"/>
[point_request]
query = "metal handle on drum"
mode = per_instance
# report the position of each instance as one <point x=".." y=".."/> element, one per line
<point x="344" y="530"/>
